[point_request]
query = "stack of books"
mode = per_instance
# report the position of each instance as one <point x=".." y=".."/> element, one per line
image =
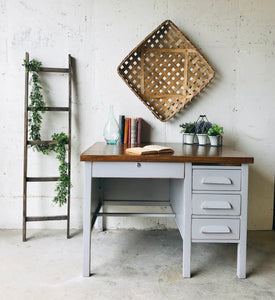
<point x="130" y="130"/>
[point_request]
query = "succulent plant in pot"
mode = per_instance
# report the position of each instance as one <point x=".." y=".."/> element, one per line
<point x="201" y="130"/>
<point x="188" y="130"/>
<point x="215" y="135"/>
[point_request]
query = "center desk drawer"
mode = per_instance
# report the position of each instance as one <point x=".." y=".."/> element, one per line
<point x="216" y="179"/>
<point x="137" y="170"/>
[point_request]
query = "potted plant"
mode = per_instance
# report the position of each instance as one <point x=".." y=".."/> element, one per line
<point x="215" y="135"/>
<point x="201" y="130"/>
<point x="188" y="130"/>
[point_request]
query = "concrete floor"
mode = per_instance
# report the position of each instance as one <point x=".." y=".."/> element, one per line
<point x="131" y="265"/>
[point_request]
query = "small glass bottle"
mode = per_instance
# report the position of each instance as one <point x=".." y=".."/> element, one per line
<point x="111" y="130"/>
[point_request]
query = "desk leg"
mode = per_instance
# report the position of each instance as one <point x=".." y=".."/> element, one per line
<point x="187" y="214"/>
<point x="87" y="220"/>
<point x="100" y="220"/>
<point x="241" y="254"/>
<point x="180" y="199"/>
<point x="241" y="259"/>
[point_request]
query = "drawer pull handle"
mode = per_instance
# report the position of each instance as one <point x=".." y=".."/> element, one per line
<point x="215" y="229"/>
<point x="216" y="180"/>
<point x="216" y="205"/>
<point x="139" y="165"/>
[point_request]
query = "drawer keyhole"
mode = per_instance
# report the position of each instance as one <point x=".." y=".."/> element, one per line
<point x="139" y="165"/>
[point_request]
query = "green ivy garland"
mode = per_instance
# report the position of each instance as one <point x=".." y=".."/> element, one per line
<point x="37" y="108"/>
<point x="63" y="184"/>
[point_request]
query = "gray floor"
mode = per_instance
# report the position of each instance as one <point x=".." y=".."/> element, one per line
<point x="131" y="265"/>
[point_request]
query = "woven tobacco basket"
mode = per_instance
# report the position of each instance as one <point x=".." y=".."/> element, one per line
<point x="165" y="71"/>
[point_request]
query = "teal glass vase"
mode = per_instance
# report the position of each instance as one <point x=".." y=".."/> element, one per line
<point x="111" y="129"/>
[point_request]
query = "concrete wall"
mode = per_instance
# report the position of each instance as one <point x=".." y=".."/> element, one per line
<point x="237" y="37"/>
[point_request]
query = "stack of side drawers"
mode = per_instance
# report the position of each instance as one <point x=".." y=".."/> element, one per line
<point x="216" y="204"/>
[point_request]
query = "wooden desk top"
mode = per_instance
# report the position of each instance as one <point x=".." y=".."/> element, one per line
<point x="100" y="151"/>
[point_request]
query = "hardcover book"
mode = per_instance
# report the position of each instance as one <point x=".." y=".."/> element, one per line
<point x="126" y="128"/>
<point x="121" y="127"/>
<point x="150" y="149"/>
<point x="139" y="130"/>
<point x="133" y="131"/>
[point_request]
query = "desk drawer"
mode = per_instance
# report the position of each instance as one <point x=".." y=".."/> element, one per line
<point x="215" y="229"/>
<point x="216" y="180"/>
<point x="216" y="204"/>
<point x="137" y="170"/>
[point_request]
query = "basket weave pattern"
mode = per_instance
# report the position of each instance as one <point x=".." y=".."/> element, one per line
<point x="165" y="71"/>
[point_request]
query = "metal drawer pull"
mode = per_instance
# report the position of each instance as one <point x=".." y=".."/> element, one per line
<point x="216" y="205"/>
<point x="215" y="229"/>
<point x="139" y="165"/>
<point x="216" y="180"/>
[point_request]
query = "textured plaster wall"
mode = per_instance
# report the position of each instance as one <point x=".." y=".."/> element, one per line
<point x="237" y="37"/>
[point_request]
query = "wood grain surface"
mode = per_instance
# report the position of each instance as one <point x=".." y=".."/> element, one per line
<point x="100" y="151"/>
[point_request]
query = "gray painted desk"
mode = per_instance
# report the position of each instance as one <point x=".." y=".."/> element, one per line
<point x="208" y="193"/>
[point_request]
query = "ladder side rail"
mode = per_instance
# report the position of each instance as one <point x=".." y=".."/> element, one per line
<point x="25" y="149"/>
<point x="70" y="145"/>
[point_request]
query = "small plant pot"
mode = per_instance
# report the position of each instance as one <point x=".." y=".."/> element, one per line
<point x="188" y="138"/>
<point x="215" y="140"/>
<point x="202" y="139"/>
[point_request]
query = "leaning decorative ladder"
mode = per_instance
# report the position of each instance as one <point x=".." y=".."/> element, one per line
<point x="27" y="142"/>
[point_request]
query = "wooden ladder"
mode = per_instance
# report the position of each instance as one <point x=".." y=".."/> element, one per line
<point x="27" y="142"/>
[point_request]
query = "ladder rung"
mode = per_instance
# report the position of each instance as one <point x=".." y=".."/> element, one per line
<point x="52" y="108"/>
<point x="49" y="218"/>
<point x="168" y="215"/>
<point x="38" y="179"/>
<point x="55" y="70"/>
<point x="41" y="142"/>
<point x="137" y="203"/>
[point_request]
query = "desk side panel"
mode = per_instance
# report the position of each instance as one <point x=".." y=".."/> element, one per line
<point x="177" y="202"/>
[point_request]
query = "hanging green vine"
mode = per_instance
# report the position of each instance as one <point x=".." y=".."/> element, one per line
<point x="37" y="105"/>
<point x="36" y="109"/>
<point x="63" y="184"/>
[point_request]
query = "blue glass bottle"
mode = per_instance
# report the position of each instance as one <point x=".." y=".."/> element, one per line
<point x="111" y="130"/>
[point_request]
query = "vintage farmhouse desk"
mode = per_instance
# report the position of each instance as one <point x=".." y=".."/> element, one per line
<point x="208" y="193"/>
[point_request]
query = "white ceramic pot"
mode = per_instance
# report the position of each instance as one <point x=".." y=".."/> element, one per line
<point x="188" y="138"/>
<point x="215" y="140"/>
<point x="202" y="139"/>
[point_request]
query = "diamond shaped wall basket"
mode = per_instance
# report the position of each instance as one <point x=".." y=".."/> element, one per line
<point x="165" y="71"/>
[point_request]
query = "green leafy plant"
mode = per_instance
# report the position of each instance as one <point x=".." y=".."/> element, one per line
<point x="188" y="127"/>
<point x="32" y="65"/>
<point x="36" y="106"/>
<point x="36" y="109"/>
<point x="215" y="130"/>
<point x="63" y="183"/>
